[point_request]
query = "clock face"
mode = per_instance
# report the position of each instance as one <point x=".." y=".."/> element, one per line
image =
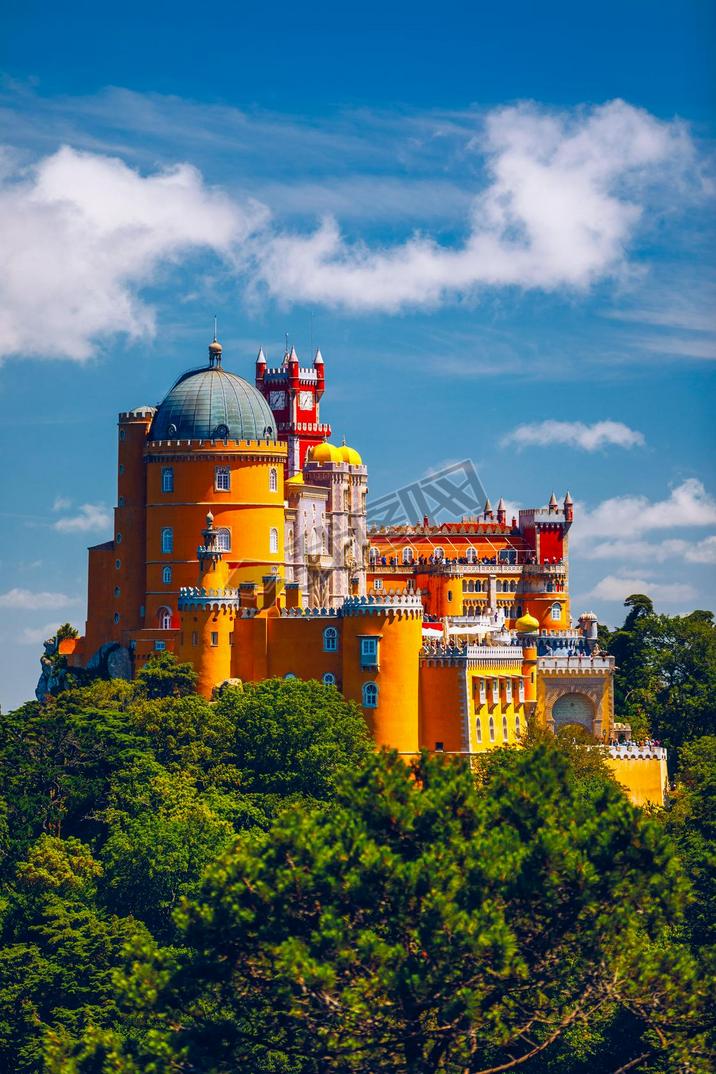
<point x="305" y="400"/>
<point x="277" y="400"/>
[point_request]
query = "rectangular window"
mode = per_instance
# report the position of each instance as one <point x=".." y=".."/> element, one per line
<point x="521" y="690"/>
<point x="160" y="646"/>
<point x="483" y="691"/>
<point x="167" y="478"/>
<point x="194" y="637"/>
<point x="223" y="479"/>
<point x="231" y="638"/>
<point x="508" y="691"/>
<point x="369" y="652"/>
<point x="378" y="583"/>
<point x="214" y="638"/>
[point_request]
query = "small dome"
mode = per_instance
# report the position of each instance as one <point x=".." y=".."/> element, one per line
<point x="324" y="452"/>
<point x="212" y="404"/>
<point x="527" y="624"/>
<point x="350" y="455"/>
<point x="215" y="347"/>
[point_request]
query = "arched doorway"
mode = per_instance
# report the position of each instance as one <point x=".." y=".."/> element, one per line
<point x="574" y="709"/>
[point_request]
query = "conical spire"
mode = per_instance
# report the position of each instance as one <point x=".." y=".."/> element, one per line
<point x="318" y="360"/>
<point x="261" y="357"/>
<point x="568" y="499"/>
<point x="488" y="507"/>
<point x="553" y="500"/>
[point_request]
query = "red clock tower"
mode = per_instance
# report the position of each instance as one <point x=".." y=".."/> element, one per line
<point x="294" y="393"/>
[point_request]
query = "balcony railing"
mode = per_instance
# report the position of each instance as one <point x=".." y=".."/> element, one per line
<point x="576" y="663"/>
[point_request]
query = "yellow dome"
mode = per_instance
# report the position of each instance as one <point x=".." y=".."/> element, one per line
<point x="297" y="479"/>
<point x="325" y="452"/>
<point x="527" y="624"/>
<point x="350" y="455"/>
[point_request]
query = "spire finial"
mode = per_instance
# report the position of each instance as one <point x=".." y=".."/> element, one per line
<point x="215" y="325"/>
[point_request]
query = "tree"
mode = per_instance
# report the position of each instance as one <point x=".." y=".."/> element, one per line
<point x="164" y="676"/>
<point x="425" y="922"/>
<point x="294" y="737"/>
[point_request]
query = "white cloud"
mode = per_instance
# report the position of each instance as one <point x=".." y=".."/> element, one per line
<point x="89" y="517"/>
<point x="36" y="635"/>
<point x="61" y="503"/>
<point x="617" y="588"/>
<point x="574" y="434"/>
<point x="703" y="551"/>
<point x="623" y="517"/>
<point x="563" y="198"/>
<point x="563" y="201"/>
<point x="30" y="601"/>
<point x="86" y="231"/>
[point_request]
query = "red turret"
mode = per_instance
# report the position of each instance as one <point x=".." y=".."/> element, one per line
<point x="293" y="393"/>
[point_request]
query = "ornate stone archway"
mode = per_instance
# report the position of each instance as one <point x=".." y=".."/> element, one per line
<point x="574" y="707"/>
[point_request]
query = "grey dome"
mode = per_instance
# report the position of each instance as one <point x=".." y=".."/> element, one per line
<point x="211" y="404"/>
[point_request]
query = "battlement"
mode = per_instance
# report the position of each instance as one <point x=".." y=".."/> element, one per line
<point x="194" y="597"/>
<point x="400" y="602"/>
<point x="282" y="373"/>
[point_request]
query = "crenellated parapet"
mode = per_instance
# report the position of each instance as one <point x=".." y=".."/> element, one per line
<point x="197" y="597"/>
<point x="408" y="604"/>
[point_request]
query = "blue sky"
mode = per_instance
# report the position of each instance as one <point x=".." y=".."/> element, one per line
<point x="496" y="222"/>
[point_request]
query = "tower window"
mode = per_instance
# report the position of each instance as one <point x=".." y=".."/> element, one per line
<point x="117" y="591"/>
<point x="195" y="637"/>
<point x="122" y="434"/>
<point x="556" y="611"/>
<point x="167" y="539"/>
<point x="369" y="652"/>
<point x="118" y="538"/>
<point x="329" y="679"/>
<point x="167" y="478"/>
<point x="214" y="638"/>
<point x="508" y="690"/>
<point x="483" y="691"/>
<point x="273" y="539"/>
<point x="164" y="618"/>
<point x="166" y="575"/>
<point x="160" y="646"/>
<point x="273" y="479"/>
<point x="330" y="640"/>
<point x="370" y="695"/>
<point x="223" y="539"/>
<point x="222" y="481"/>
<point x="116" y="617"/>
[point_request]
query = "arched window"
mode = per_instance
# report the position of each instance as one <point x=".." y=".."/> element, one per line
<point x="518" y="729"/>
<point x="492" y="729"/>
<point x="556" y="611"/>
<point x="164" y="618"/>
<point x="273" y="539"/>
<point x="273" y="479"/>
<point x="498" y="585"/>
<point x="289" y="675"/>
<point x="116" y="617"/>
<point x="223" y="539"/>
<point x="471" y="586"/>
<point x="222" y="481"/>
<point x="370" y="695"/>
<point x="478" y="728"/>
<point x="471" y="555"/>
<point x="329" y="679"/>
<point x="167" y="539"/>
<point x="330" y="639"/>
<point x="407" y="555"/>
<point x="166" y="575"/>
<point x="505" y="732"/>
<point x="373" y="555"/>
<point x="513" y="587"/>
<point x="167" y="478"/>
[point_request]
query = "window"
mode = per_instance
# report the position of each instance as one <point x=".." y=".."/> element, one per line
<point x="121" y="467"/>
<point x="370" y="695"/>
<point x="273" y="539"/>
<point x="289" y="675"/>
<point x="407" y="555"/>
<point x="118" y="538"/>
<point x="378" y="583"/>
<point x="231" y="638"/>
<point x="471" y="555"/>
<point x="439" y="553"/>
<point x="164" y="618"/>
<point x="498" y="585"/>
<point x="214" y="638"/>
<point x="369" y="652"/>
<point x="167" y="478"/>
<point x="521" y="691"/>
<point x="122" y="434"/>
<point x="505" y="732"/>
<point x="120" y="501"/>
<point x="508" y="690"/>
<point x="116" y="617"/>
<point x="160" y="646"/>
<point x="449" y="595"/>
<point x="166" y="575"/>
<point x="329" y="679"/>
<point x="483" y="691"/>
<point x="273" y="479"/>
<point x="373" y="555"/>
<point x="492" y="729"/>
<point x="167" y="539"/>
<point x="478" y="728"/>
<point x="223" y="539"/>
<point x="222" y="481"/>
<point x="195" y="637"/>
<point x="556" y="611"/>
<point x="330" y="640"/>
<point x="117" y="591"/>
<point x="495" y="691"/>
<point x="518" y="729"/>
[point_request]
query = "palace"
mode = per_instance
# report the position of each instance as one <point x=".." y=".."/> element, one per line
<point x="241" y="544"/>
